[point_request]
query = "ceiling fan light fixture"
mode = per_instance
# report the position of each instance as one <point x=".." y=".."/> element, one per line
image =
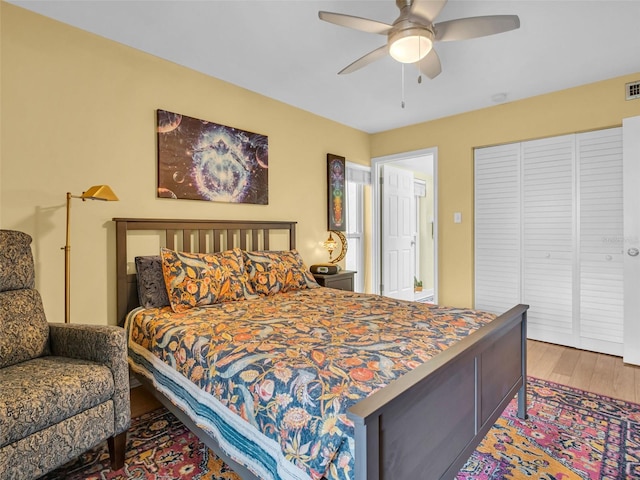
<point x="410" y="45"/>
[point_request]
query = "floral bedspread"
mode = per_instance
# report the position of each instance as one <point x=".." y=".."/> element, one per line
<point x="292" y="364"/>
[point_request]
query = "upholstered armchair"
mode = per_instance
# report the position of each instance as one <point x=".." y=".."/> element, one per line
<point x="64" y="388"/>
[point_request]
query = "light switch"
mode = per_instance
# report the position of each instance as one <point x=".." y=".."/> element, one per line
<point x="457" y="217"/>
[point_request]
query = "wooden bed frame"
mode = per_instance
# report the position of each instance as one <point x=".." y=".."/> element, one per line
<point x="423" y="425"/>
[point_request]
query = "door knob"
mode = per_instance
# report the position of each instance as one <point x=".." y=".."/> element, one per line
<point x="633" y="252"/>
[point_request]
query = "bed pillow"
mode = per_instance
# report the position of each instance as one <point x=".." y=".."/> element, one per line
<point x="152" y="292"/>
<point x="199" y="279"/>
<point x="273" y="272"/>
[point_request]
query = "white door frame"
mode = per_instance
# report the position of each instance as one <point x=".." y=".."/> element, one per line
<point x="376" y="261"/>
<point x="631" y="241"/>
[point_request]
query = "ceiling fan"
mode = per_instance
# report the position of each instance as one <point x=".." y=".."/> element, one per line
<point x="411" y="37"/>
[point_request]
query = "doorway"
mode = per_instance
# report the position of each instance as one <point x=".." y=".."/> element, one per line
<point x="404" y="243"/>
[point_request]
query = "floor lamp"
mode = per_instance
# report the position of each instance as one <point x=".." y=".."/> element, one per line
<point x="97" y="192"/>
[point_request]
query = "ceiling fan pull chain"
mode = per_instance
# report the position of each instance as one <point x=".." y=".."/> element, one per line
<point x="420" y="56"/>
<point x="402" y="103"/>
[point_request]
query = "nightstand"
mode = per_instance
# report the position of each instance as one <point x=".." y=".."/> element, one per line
<point x="343" y="280"/>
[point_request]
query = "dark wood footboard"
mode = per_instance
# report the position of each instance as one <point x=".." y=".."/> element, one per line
<point x="426" y="424"/>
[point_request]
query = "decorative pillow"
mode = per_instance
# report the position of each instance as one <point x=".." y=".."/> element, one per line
<point x="152" y="292"/>
<point x="273" y="272"/>
<point x="198" y="279"/>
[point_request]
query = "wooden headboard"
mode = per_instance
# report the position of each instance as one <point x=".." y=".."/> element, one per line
<point x="202" y="236"/>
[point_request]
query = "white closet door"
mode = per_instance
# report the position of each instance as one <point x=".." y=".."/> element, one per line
<point x="548" y="229"/>
<point x="497" y="228"/>
<point x="549" y="232"/>
<point x="601" y="227"/>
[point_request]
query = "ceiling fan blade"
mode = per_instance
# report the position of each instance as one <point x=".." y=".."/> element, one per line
<point x="357" y="23"/>
<point x="474" y="27"/>
<point x="427" y="9"/>
<point x="430" y="64"/>
<point x="365" y="60"/>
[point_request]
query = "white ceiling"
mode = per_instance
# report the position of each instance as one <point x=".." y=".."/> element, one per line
<point x="282" y="50"/>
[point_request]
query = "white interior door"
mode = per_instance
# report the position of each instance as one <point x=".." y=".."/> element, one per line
<point x="397" y="233"/>
<point x="498" y="235"/>
<point x="600" y="218"/>
<point x="548" y="243"/>
<point x="631" y="178"/>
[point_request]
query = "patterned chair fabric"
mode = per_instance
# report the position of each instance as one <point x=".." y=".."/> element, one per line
<point x="16" y="261"/>
<point x="65" y="387"/>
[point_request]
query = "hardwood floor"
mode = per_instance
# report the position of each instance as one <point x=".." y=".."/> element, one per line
<point x="594" y="372"/>
<point x="142" y="402"/>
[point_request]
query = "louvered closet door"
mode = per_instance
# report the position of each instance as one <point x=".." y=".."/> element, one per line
<point x="497" y="228"/>
<point x="550" y="233"/>
<point x="601" y="227"/>
<point x="548" y="229"/>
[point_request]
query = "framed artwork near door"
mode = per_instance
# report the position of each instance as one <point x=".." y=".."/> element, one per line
<point x="336" y="175"/>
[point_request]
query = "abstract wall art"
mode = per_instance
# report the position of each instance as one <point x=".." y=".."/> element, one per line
<point x="336" y="175"/>
<point x="201" y="160"/>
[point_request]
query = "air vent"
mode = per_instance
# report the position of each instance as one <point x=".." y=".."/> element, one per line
<point x="633" y="90"/>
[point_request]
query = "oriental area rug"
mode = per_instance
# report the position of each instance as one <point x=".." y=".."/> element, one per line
<point x="570" y="434"/>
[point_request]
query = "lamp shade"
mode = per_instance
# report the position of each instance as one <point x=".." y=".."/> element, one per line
<point x="330" y="244"/>
<point x="100" y="192"/>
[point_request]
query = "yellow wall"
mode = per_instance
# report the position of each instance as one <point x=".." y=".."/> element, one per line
<point x="78" y="110"/>
<point x="589" y="107"/>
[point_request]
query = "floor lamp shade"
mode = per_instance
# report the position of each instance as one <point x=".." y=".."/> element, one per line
<point x="97" y="192"/>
